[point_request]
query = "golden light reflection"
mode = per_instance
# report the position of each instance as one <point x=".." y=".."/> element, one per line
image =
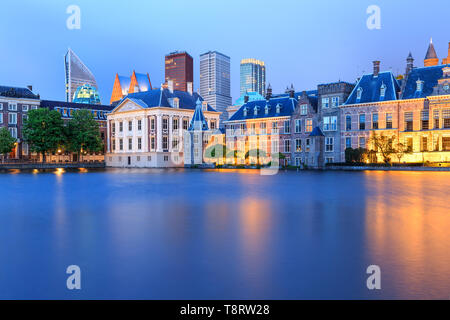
<point x="59" y="171"/>
<point x="83" y="170"/>
<point x="408" y="223"/>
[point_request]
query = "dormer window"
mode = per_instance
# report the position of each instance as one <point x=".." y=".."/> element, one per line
<point x="278" y="108"/>
<point x="419" y="85"/>
<point x="446" y="87"/>
<point x="176" y="103"/>
<point x="359" y="93"/>
<point x="255" y="111"/>
<point x="266" y="109"/>
<point x="245" y="111"/>
<point x="383" y="90"/>
<point x="204" y="106"/>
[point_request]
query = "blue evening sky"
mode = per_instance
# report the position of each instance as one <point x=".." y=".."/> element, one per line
<point x="304" y="42"/>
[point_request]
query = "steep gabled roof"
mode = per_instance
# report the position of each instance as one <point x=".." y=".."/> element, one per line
<point x="431" y="52"/>
<point x="429" y="76"/>
<point x="370" y="88"/>
<point x="198" y="121"/>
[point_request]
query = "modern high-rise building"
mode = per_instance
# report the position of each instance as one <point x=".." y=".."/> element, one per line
<point x="179" y="68"/>
<point x="253" y="76"/>
<point x="215" y="81"/>
<point x="77" y="75"/>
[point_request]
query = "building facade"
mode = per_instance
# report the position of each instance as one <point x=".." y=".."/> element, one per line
<point x="67" y="109"/>
<point x="414" y="111"/>
<point x="15" y="103"/>
<point x="252" y="77"/>
<point x="146" y="129"/>
<point x="179" y="68"/>
<point x="77" y="75"/>
<point x="261" y="129"/>
<point x="215" y="81"/>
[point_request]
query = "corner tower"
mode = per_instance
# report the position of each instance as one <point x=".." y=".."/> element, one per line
<point x="431" y="58"/>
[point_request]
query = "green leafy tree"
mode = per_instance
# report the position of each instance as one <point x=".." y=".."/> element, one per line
<point x="83" y="134"/>
<point x="6" y="142"/>
<point x="43" y="131"/>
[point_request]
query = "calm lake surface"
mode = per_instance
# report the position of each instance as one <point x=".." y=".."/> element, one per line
<point x="180" y="234"/>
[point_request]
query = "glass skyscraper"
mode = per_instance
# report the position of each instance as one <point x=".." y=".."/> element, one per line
<point x="77" y="75"/>
<point x="253" y="76"/>
<point x="215" y="81"/>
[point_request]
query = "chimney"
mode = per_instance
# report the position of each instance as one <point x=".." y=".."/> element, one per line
<point x="170" y="85"/>
<point x="190" y="88"/>
<point x="292" y="91"/>
<point x="376" y="68"/>
<point x="30" y="87"/>
<point x="246" y="98"/>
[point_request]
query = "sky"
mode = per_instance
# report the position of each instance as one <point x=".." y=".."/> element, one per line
<point x="303" y="42"/>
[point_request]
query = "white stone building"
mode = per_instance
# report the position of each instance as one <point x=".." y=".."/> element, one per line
<point x="146" y="128"/>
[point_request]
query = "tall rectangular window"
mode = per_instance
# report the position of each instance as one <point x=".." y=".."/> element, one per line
<point x="335" y="101"/>
<point x="409" y="143"/>
<point x="424" y="143"/>
<point x="348" y="123"/>
<point x="325" y="102"/>
<point x="348" y="142"/>
<point x="274" y="127"/>
<point x="298" y="126"/>
<point x="139" y="125"/>
<point x="12" y="106"/>
<point x="165" y="143"/>
<point x="362" y="121"/>
<point x="287" y="145"/>
<point x="304" y="109"/>
<point x="130" y="125"/>
<point x="298" y="145"/>
<point x="120" y="126"/>
<point x="329" y="142"/>
<point x="213" y="125"/>
<point x="120" y="144"/>
<point x="362" y="142"/>
<point x="12" y="118"/>
<point x="436" y="119"/>
<point x="165" y="124"/>
<point x="152" y="124"/>
<point x="139" y="143"/>
<point x="408" y="121"/>
<point x="425" y="122"/>
<point x="185" y="124"/>
<point x="287" y="126"/>
<point x="1" y="117"/>
<point x="388" y="120"/>
<point x="152" y="143"/>
<point x="262" y="127"/>
<point x="130" y="144"/>
<point x="445" y="143"/>
<point x="375" y="120"/>
<point x="175" y="124"/>
<point x="309" y="125"/>
<point x="113" y="127"/>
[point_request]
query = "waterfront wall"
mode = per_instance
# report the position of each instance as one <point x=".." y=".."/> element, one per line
<point x="30" y="166"/>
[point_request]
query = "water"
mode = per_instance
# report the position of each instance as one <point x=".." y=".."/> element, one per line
<point x="176" y="234"/>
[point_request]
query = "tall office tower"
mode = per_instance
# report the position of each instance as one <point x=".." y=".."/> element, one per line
<point x="215" y="81"/>
<point x="179" y="68"/>
<point x="253" y="76"/>
<point x="77" y="75"/>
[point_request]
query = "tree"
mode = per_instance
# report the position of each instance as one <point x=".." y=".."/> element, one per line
<point x="400" y="151"/>
<point x="355" y="155"/>
<point x="384" y="145"/>
<point x="43" y="131"/>
<point x="7" y="142"/>
<point x="83" y="133"/>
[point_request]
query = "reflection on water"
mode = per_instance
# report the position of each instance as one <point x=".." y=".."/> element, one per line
<point x="407" y="227"/>
<point x="224" y="234"/>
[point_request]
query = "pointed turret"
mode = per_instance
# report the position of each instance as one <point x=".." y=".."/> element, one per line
<point x="198" y="122"/>
<point x="447" y="60"/>
<point x="409" y="64"/>
<point x="431" y="58"/>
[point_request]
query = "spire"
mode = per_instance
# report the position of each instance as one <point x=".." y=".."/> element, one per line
<point x="198" y="122"/>
<point x="431" y="58"/>
<point x="409" y="64"/>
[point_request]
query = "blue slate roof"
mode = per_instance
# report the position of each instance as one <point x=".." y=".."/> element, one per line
<point x="317" y="132"/>
<point x="287" y="106"/>
<point x="17" y="92"/>
<point x="429" y="76"/>
<point x="164" y="98"/>
<point x="252" y="96"/>
<point x="198" y="121"/>
<point x="371" y="88"/>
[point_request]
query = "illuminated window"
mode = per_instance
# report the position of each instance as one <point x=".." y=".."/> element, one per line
<point x="298" y="145"/>
<point x="388" y="120"/>
<point x="425" y="122"/>
<point x="375" y="120"/>
<point x="309" y="125"/>
<point x="446" y="117"/>
<point x="408" y="121"/>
